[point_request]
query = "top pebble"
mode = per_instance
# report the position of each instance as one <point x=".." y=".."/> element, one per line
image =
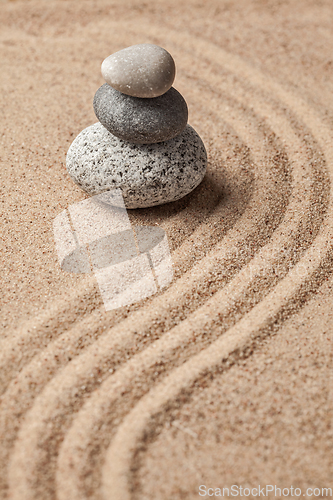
<point x="143" y="70"/>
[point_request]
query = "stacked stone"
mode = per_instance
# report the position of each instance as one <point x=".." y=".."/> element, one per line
<point x="142" y="143"/>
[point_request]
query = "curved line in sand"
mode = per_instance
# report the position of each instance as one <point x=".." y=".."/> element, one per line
<point x="136" y="427"/>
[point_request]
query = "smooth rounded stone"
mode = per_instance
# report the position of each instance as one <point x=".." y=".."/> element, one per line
<point x="141" y="121"/>
<point x="148" y="175"/>
<point x="143" y="70"/>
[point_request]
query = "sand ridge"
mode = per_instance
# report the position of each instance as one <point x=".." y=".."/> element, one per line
<point x="86" y="394"/>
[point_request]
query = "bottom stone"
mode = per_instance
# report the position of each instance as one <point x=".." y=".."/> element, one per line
<point x="147" y="174"/>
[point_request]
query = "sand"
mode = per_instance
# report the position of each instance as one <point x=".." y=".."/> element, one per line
<point x="225" y="377"/>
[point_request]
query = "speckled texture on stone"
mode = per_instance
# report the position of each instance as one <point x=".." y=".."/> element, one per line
<point x="141" y="121"/>
<point x="143" y="70"/>
<point x="148" y="175"/>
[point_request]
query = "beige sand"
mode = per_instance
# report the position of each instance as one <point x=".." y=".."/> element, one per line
<point x="225" y="378"/>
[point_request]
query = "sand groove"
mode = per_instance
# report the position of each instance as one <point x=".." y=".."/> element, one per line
<point x="93" y="408"/>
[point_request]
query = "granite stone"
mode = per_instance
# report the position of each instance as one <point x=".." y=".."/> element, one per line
<point x="148" y="175"/>
<point x="143" y="70"/>
<point x="141" y="121"/>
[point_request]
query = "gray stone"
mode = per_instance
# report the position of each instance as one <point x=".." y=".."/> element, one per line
<point x="148" y="175"/>
<point x="141" y="121"/>
<point x="143" y="70"/>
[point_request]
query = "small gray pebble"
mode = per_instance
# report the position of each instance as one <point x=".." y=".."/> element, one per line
<point x="141" y="121"/>
<point x="148" y="175"/>
<point x="143" y="70"/>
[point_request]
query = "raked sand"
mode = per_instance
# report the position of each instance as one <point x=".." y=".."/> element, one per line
<point x="225" y="377"/>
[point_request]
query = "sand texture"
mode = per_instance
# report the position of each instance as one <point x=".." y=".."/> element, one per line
<point x="224" y="377"/>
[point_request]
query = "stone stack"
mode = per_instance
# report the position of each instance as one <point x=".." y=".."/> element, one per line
<point x="142" y="143"/>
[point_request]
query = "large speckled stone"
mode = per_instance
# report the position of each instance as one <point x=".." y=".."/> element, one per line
<point x="142" y="121"/>
<point x="148" y="175"/>
<point x="143" y="70"/>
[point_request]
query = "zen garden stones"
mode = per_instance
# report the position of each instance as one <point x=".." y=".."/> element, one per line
<point x="143" y="70"/>
<point x="142" y="121"/>
<point x="142" y="143"/>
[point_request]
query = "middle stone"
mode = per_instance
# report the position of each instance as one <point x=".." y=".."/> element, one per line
<point x="141" y="120"/>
